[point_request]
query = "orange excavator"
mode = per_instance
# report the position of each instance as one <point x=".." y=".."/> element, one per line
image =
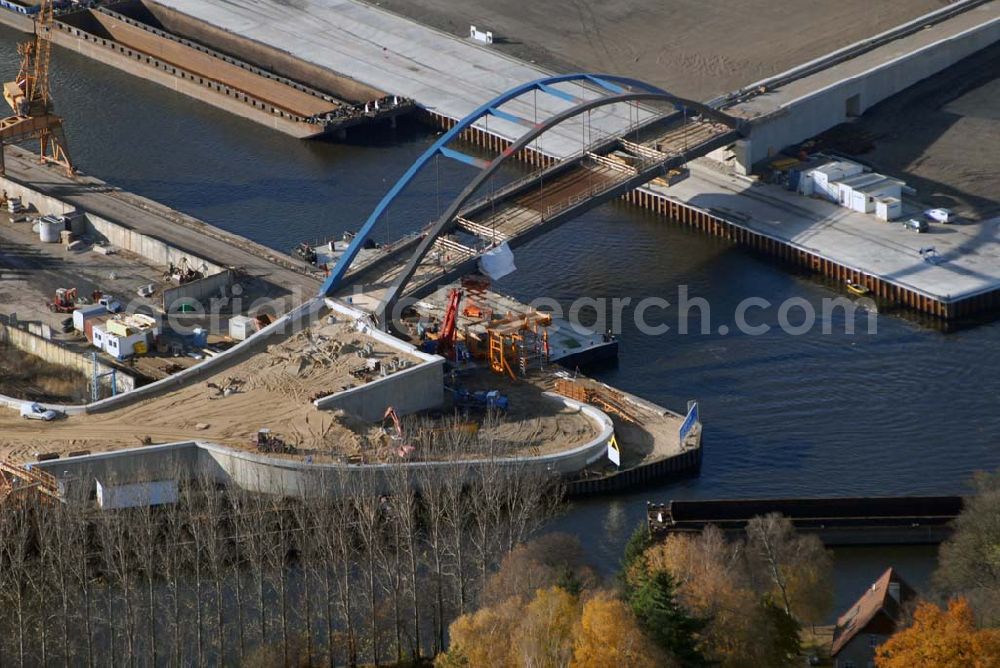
<point x="446" y="340"/>
<point x="404" y="450"/>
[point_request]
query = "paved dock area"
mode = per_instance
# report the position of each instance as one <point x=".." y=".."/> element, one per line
<point x="966" y="260"/>
<point x="279" y="277"/>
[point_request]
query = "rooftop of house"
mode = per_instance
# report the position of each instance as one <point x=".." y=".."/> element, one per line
<point x="887" y="595"/>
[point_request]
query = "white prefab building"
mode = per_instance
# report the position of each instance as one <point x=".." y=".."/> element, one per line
<point x="823" y="180"/>
<point x="859" y="193"/>
<point x="100" y="336"/>
<point x="85" y="313"/>
<point x="888" y="208"/>
<point x="122" y="347"/>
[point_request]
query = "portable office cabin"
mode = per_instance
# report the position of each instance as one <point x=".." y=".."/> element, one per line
<point x="123" y="347"/>
<point x="859" y="193"/>
<point x="85" y="313"/>
<point x="823" y="179"/>
<point x="888" y="208"/>
<point x="99" y="335"/>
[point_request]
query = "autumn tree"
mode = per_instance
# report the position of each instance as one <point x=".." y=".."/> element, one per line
<point x="546" y="630"/>
<point x="555" y="559"/>
<point x="943" y="639"/>
<point x="969" y="561"/>
<point x="712" y="582"/>
<point x="483" y="638"/>
<point x="609" y="635"/>
<point x="794" y="569"/>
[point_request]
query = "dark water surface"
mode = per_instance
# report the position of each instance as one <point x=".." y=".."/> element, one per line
<point x="908" y="410"/>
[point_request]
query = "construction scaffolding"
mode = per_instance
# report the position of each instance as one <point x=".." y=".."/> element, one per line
<point x="18" y="483"/>
<point x="520" y="344"/>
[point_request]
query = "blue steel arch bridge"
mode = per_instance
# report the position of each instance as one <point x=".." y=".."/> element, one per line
<point x="662" y="133"/>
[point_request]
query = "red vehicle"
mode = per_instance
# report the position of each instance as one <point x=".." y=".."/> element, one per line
<point x="65" y="301"/>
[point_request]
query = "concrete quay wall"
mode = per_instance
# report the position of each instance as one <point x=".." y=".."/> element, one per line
<point x="732" y="230"/>
<point x="829" y="104"/>
<point x="153" y="250"/>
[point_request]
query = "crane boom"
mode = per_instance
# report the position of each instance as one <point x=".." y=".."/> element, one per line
<point x="29" y="98"/>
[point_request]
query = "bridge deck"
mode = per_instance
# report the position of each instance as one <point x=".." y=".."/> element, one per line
<point x="544" y="199"/>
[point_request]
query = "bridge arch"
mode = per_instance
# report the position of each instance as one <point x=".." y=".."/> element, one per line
<point x="617" y="94"/>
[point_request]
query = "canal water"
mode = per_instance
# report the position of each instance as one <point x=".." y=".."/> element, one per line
<point x="907" y="410"/>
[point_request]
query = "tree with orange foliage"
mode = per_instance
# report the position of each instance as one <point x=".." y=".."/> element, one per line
<point x="609" y="635"/>
<point x="544" y="636"/>
<point x="943" y="639"/>
<point x="483" y="638"/>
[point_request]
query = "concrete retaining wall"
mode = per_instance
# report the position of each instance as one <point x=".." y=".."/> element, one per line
<point x="270" y="475"/>
<point x="51" y="351"/>
<point x="151" y="249"/>
<point x="200" y="290"/>
<point x="811" y="115"/>
<point x="417" y="388"/>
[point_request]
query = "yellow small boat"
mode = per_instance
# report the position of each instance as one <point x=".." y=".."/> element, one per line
<point x="857" y="289"/>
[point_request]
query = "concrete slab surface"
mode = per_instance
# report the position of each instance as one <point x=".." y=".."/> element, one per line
<point x="969" y="252"/>
<point x="953" y="28"/>
<point x="445" y="74"/>
<point x="693" y="48"/>
<point x="287" y="280"/>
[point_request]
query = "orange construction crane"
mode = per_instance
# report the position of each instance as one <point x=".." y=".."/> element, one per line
<point x="29" y="99"/>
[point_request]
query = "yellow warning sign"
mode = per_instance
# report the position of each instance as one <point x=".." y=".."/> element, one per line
<point x="614" y="452"/>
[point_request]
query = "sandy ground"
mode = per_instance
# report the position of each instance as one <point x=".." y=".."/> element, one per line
<point x="692" y="48"/>
<point x="274" y="389"/>
<point x="940" y="135"/>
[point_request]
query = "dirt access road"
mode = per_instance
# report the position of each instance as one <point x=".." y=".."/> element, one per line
<point x="692" y="48"/>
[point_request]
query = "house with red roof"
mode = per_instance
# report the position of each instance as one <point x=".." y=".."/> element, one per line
<point x="870" y="621"/>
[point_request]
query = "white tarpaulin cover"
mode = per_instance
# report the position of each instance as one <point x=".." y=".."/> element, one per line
<point x="498" y="262"/>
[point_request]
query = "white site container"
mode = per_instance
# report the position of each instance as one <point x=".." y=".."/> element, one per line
<point x="100" y="336"/>
<point x="825" y="177"/>
<point x="846" y="188"/>
<point x="138" y="494"/>
<point x="85" y="313"/>
<point x="888" y="208"/>
<point x="241" y="327"/>
<point x="123" y="347"/>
